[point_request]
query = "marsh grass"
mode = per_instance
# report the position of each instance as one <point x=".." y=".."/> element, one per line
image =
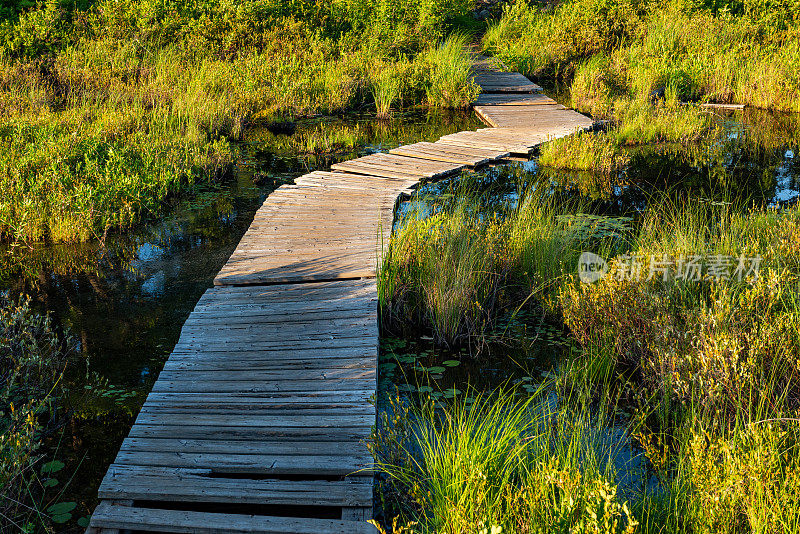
<point x="386" y="87"/>
<point x="448" y="267"/>
<point x="110" y="110"/>
<point x="447" y="71"/>
<point x="729" y="52"/>
<point x="504" y="462"/>
<point x="709" y="370"/>
<point x="636" y="65"/>
<point x="584" y="151"/>
<point x="713" y="368"/>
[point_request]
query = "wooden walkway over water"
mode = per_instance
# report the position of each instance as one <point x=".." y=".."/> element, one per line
<point x="258" y="421"/>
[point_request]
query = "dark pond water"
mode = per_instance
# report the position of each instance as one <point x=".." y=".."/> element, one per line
<point x="126" y="299"/>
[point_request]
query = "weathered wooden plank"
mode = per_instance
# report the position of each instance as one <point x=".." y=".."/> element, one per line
<point x="523" y="117"/>
<point x="332" y="408"/>
<point x="533" y="99"/>
<point x="159" y="520"/>
<point x="375" y="170"/>
<point x="234" y="347"/>
<point x="182" y="485"/>
<point x="253" y="464"/>
<point x="249" y="375"/>
<point x="282" y="448"/>
<point x="365" y="361"/>
<point x="505" y="82"/>
<point x="308" y="399"/>
<point x="242" y="386"/>
<point x="332" y="435"/>
<point x="332" y="289"/>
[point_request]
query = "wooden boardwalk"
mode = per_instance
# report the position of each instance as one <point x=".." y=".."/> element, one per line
<point x="259" y="419"/>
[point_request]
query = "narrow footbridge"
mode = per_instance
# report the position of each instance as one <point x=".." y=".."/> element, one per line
<point x="258" y="421"/>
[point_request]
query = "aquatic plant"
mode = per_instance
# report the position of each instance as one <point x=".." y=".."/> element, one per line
<point x="447" y="266"/>
<point x="386" y="87"/>
<point x="446" y="74"/>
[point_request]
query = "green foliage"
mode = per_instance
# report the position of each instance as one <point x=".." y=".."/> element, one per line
<point x="446" y="75"/>
<point x="32" y="360"/>
<point x="109" y="110"/>
<point x="546" y="42"/>
<point x="720" y="345"/>
<point x="447" y="270"/>
<point x="710" y="368"/>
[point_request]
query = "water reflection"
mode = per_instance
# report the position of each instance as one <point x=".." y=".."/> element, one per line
<point x="127" y="298"/>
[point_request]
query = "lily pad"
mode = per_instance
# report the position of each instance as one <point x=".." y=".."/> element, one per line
<point x="436" y="370"/>
<point x="451" y="363"/>
<point x="61" y="512"/>
<point x="53" y="467"/>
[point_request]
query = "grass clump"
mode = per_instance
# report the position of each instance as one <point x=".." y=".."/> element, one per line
<point x="502" y="464"/>
<point x="447" y="70"/>
<point x="455" y="270"/>
<point x="584" y="151"/>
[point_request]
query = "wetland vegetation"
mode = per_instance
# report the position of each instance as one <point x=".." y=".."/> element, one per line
<point x="137" y="138"/>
